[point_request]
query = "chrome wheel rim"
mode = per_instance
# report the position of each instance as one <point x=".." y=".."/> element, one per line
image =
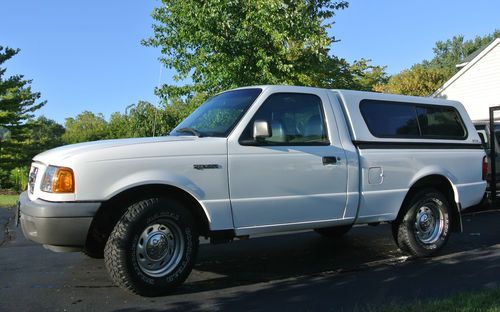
<point x="429" y="223"/>
<point x="159" y="249"/>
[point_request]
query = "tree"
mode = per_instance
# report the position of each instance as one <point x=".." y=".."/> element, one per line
<point x="418" y="80"/>
<point x="87" y="126"/>
<point x="178" y="109"/>
<point x="426" y="77"/>
<point x="221" y="44"/>
<point x="4" y="134"/>
<point x="44" y="134"/>
<point x="142" y="119"/>
<point x="145" y="120"/>
<point x="17" y="104"/>
<point x="449" y="53"/>
<point x="365" y="77"/>
<point x="118" y="126"/>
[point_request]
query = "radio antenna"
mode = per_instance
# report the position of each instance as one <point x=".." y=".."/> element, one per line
<point x="156" y="108"/>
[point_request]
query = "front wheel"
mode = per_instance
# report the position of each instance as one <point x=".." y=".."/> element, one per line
<point x="153" y="247"/>
<point x="423" y="226"/>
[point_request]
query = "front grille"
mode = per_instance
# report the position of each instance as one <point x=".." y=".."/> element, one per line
<point x="32" y="179"/>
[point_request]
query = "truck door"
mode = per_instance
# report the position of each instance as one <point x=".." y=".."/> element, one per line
<point x="297" y="175"/>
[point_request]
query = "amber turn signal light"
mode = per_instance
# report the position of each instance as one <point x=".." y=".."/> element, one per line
<point x="64" y="181"/>
<point x="58" y="180"/>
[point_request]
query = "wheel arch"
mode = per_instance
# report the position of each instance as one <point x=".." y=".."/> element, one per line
<point x="445" y="186"/>
<point x="112" y="209"/>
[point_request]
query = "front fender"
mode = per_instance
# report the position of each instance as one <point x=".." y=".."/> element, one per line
<point x="148" y="177"/>
<point x="217" y="211"/>
<point x="101" y="181"/>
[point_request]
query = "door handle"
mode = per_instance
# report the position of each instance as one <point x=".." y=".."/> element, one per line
<point x="330" y="160"/>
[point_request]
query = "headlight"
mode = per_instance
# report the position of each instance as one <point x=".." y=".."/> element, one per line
<point x="58" y="180"/>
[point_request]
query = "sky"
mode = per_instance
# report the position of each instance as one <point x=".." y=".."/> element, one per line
<point x="86" y="55"/>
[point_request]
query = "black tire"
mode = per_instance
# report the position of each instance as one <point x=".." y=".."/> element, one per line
<point x="334" y="231"/>
<point x="93" y="252"/>
<point x="156" y="230"/>
<point x="427" y="235"/>
<point x="94" y="247"/>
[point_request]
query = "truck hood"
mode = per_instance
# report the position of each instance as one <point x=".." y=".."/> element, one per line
<point x="120" y="149"/>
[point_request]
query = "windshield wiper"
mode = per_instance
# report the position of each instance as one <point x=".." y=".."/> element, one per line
<point x="189" y="130"/>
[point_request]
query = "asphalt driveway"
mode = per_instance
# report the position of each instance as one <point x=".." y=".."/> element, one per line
<point x="293" y="272"/>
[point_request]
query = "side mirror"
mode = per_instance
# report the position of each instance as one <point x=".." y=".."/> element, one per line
<point x="261" y="130"/>
<point x="482" y="138"/>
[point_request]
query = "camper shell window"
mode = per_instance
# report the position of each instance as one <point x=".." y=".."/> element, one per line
<point x="387" y="119"/>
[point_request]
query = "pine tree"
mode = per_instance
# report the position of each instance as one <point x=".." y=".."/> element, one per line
<point x="17" y="104"/>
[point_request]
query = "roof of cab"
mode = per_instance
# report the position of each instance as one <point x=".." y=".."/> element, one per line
<point x="362" y="94"/>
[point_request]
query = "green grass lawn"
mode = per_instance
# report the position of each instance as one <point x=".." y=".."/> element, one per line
<point x="7" y="201"/>
<point x="480" y="301"/>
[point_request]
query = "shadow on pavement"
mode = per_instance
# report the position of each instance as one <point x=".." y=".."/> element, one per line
<point x="299" y="271"/>
<point x="287" y="256"/>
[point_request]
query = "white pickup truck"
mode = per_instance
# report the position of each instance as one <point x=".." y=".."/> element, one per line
<point x="258" y="160"/>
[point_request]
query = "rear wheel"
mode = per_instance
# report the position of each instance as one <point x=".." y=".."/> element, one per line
<point x="423" y="227"/>
<point x="153" y="247"/>
<point x="334" y="231"/>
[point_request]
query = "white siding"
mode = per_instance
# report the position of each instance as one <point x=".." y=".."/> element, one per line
<point x="477" y="86"/>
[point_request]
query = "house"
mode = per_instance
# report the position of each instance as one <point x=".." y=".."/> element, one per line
<point x="477" y="84"/>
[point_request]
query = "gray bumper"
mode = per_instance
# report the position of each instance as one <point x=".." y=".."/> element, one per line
<point x="64" y="224"/>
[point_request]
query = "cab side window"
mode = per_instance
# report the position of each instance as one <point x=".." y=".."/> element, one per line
<point x="293" y="118"/>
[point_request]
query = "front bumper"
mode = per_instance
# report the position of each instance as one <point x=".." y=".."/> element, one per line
<point x="61" y="224"/>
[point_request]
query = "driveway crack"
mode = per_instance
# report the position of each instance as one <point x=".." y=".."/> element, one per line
<point x="8" y="233"/>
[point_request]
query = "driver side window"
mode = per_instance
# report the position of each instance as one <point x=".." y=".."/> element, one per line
<point x="293" y="119"/>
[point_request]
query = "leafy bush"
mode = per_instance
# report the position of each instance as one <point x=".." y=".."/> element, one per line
<point x="19" y="178"/>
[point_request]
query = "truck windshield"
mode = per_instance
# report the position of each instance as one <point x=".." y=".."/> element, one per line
<point x="218" y="115"/>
